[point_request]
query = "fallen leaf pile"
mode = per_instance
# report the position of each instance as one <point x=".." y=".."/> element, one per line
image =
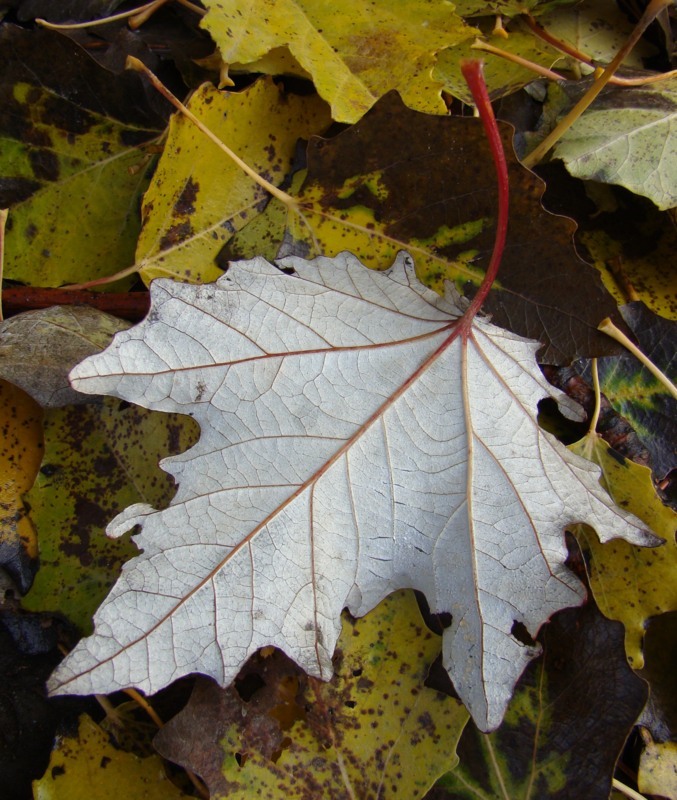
<point x="347" y="536"/>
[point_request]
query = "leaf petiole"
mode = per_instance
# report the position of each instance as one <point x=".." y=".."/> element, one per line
<point x="472" y="72"/>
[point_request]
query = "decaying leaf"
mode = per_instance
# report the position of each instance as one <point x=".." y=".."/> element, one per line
<point x="356" y="439"/>
<point x="637" y="394"/>
<point x="373" y="731"/>
<point x="362" y="192"/>
<point x="88" y="766"/>
<point x="597" y="28"/>
<point x="501" y="76"/>
<point x="630" y="584"/>
<point x="20" y="453"/>
<point x="98" y="458"/>
<point x="38" y="349"/>
<point x="72" y="156"/>
<point x="565" y="726"/>
<point x="198" y="197"/>
<point x="628" y="254"/>
<point x="658" y="768"/>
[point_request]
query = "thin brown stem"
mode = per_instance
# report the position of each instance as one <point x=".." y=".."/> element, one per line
<point x="139" y="66"/>
<point x="478" y="44"/>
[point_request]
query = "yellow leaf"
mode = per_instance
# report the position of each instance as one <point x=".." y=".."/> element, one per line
<point x="630" y="583"/>
<point x="354" y="57"/>
<point x="88" y="767"/>
<point x="658" y="769"/>
<point x="373" y="730"/>
<point x="198" y="197"/>
<point x="644" y="267"/>
<point x="20" y="456"/>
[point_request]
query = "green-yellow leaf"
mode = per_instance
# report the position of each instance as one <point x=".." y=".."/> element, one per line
<point x="354" y="58"/>
<point x="501" y="76"/>
<point x="630" y="583"/>
<point x="628" y="137"/>
<point x="89" y="767"/>
<point x="373" y="731"/>
<point x="98" y="459"/>
<point x="198" y="197"/>
<point x="82" y="221"/>
<point x="597" y="28"/>
<point x="643" y="265"/>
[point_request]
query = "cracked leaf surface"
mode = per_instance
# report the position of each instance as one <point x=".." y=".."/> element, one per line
<point x="352" y="444"/>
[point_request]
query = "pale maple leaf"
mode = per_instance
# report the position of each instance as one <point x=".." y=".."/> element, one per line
<point x="353" y="442"/>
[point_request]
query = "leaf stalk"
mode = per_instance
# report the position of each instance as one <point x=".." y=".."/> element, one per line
<point x="139" y="66"/>
<point x="472" y="72"/>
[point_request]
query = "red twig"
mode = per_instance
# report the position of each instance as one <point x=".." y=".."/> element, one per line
<point x="127" y="305"/>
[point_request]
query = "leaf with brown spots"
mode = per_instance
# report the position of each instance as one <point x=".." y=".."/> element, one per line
<point x="398" y="180"/>
<point x="198" y="197"/>
<point x="373" y="731"/>
<point x="353" y="58"/>
<point x="20" y="453"/>
<point x="72" y="158"/>
<point x="630" y="584"/>
<point x="87" y="765"/>
<point x="98" y="458"/>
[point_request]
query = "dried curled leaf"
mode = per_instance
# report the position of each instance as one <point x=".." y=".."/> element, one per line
<point x="355" y="439"/>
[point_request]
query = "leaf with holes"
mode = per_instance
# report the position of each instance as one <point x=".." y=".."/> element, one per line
<point x="358" y="436"/>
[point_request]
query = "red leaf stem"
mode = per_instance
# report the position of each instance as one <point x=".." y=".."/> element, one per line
<point x="472" y="72"/>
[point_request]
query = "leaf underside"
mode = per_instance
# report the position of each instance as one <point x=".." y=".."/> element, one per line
<point x="352" y="443"/>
